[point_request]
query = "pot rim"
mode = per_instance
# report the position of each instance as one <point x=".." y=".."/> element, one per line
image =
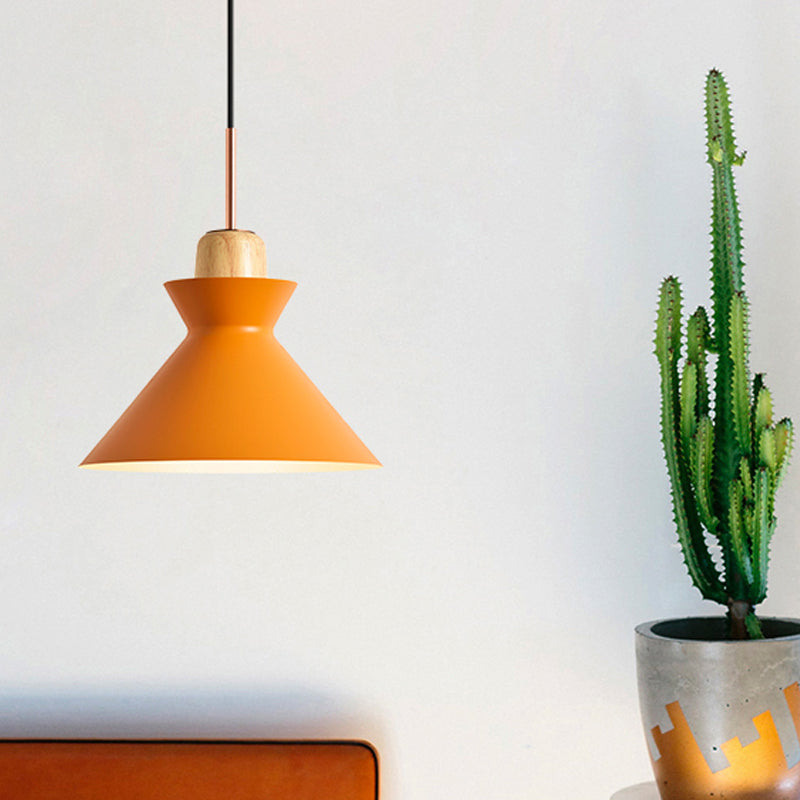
<point x="645" y="630"/>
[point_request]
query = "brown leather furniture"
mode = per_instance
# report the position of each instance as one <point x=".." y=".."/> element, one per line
<point x="196" y="770"/>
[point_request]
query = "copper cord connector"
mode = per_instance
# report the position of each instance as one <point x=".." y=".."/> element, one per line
<point x="230" y="178"/>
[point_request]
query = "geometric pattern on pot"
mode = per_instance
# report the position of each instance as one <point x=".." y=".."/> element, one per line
<point x="755" y="770"/>
<point x="721" y="714"/>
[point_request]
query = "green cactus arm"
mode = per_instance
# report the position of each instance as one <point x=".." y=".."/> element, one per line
<point x="748" y="498"/>
<point x="702" y="461"/>
<point x="694" y="387"/>
<point x="741" y="376"/>
<point x="784" y="441"/>
<point x="698" y="344"/>
<point x="698" y="332"/>
<point x="698" y="335"/>
<point x="688" y="398"/>
<point x="739" y="538"/>
<point x="749" y="517"/>
<point x="763" y="525"/>
<point x="719" y="121"/>
<point x="782" y="436"/>
<point x="722" y="156"/>
<point x="690" y="533"/>
<point x="758" y="383"/>
<point x="726" y="276"/>
<point x="761" y="416"/>
<point x="746" y="479"/>
<point x="768" y="457"/>
<point x="768" y="450"/>
<point x="668" y="322"/>
<point x="762" y="413"/>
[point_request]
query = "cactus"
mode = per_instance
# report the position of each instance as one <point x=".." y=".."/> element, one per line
<point x="725" y="459"/>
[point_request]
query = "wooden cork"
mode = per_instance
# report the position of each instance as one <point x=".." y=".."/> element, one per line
<point x="230" y="254"/>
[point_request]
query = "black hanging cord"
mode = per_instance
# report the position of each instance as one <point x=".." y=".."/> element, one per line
<point x="230" y="137"/>
<point x="230" y="64"/>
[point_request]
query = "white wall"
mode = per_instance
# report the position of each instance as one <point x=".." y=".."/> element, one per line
<point x="478" y="201"/>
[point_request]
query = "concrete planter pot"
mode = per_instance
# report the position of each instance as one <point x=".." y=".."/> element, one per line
<point x="722" y="718"/>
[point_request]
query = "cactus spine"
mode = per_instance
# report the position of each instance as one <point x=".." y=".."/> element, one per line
<point x="724" y="464"/>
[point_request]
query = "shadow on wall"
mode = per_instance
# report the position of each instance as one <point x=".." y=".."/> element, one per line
<point x="143" y="713"/>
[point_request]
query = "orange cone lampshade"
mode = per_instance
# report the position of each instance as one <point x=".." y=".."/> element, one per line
<point x="230" y="398"/>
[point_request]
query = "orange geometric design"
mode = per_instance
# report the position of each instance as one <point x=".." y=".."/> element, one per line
<point x="792" y="695"/>
<point x="757" y="771"/>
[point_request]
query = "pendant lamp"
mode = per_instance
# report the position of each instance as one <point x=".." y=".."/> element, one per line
<point x="230" y="398"/>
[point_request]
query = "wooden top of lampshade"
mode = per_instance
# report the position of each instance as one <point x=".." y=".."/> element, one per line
<point x="231" y="254"/>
